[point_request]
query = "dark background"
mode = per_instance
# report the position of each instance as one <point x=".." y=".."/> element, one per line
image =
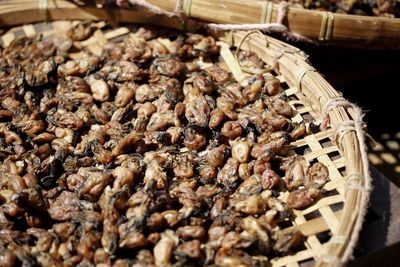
<point x="370" y="78"/>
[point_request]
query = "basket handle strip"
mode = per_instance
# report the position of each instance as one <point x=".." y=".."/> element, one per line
<point x="239" y="46"/>
<point x="285" y="50"/>
<point x="301" y="75"/>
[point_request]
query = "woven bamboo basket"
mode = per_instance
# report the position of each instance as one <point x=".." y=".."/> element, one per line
<point x="332" y="224"/>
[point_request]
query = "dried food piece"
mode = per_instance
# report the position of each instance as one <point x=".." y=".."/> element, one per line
<point x="317" y="177"/>
<point x="197" y="112"/>
<point x="171" y="67"/>
<point x="295" y="168"/>
<point x="80" y="31"/>
<point x="241" y="151"/>
<point x="273" y="86"/>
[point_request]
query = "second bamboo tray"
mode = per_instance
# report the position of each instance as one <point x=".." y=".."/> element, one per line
<point x="321" y="27"/>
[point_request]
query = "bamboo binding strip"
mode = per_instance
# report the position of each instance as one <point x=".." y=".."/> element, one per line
<point x="332" y="224"/>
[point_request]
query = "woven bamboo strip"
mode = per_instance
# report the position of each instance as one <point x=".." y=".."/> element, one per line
<point x="339" y="163"/>
<point x="319" y="136"/>
<point x="323" y="202"/>
<point x="299" y="256"/>
<point x="319" y="152"/>
<point x="313" y="226"/>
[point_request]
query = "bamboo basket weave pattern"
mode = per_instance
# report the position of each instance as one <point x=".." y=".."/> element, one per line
<point x="332" y="224"/>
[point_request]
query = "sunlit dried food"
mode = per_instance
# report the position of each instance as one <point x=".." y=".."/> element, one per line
<point x="241" y="151"/>
<point x="151" y="154"/>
